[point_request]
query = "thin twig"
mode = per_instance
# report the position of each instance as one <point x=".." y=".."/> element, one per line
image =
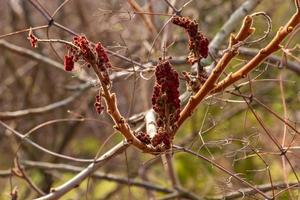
<point x="9" y="115"/>
<point x="222" y="169"/>
<point x="26" y="139"/>
<point x="243" y="192"/>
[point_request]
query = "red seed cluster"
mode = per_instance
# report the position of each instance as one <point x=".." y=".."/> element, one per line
<point x="86" y="48"/>
<point x="143" y="137"/>
<point x="92" y="54"/>
<point x="191" y="26"/>
<point x="165" y="101"/>
<point x="162" y="137"/>
<point x="32" y="39"/>
<point x="69" y="62"/>
<point x="98" y="104"/>
<point x="198" y="43"/>
<point x="102" y="56"/>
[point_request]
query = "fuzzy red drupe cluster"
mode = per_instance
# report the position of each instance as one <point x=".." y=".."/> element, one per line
<point x="93" y="55"/>
<point x="98" y="104"/>
<point x="103" y="60"/>
<point x="165" y="101"/>
<point x="32" y="39"/>
<point x="143" y="137"/>
<point x="69" y="62"/>
<point x="198" y="43"/>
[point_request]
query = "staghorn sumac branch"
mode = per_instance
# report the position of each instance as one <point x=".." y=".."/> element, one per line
<point x="26" y="164"/>
<point x="231" y="24"/>
<point x="95" y="56"/>
<point x="272" y="47"/>
<point x="245" y="31"/>
<point x="9" y="115"/>
<point x="208" y="86"/>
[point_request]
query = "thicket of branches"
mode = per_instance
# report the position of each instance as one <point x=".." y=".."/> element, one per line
<point x="149" y="99"/>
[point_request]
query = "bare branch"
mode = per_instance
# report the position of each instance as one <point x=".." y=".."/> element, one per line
<point x="231" y="24"/>
<point x="97" y="175"/>
<point x="9" y="115"/>
<point x="75" y="181"/>
<point x="250" y="191"/>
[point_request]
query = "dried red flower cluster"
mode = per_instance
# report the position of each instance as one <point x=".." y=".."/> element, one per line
<point x="165" y="101"/>
<point x="69" y="63"/>
<point x="32" y="39"/>
<point x="98" y="104"/>
<point x="162" y="137"/>
<point x="102" y="56"/>
<point x="92" y="54"/>
<point x="143" y="137"/>
<point x="198" y="43"/>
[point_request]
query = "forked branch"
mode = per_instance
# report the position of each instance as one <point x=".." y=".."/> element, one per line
<point x="272" y="47"/>
<point x="245" y="31"/>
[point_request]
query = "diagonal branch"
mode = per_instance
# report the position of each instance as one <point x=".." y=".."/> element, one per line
<point x="147" y="20"/>
<point x="231" y="24"/>
<point x="245" y="31"/>
<point x="75" y="181"/>
<point x="9" y="115"/>
<point x="97" y="175"/>
<point x="272" y="47"/>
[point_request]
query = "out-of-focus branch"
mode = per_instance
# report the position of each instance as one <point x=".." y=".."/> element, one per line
<point x="166" y="156"/>
<point x="250" y="191"/>
<point x="9" y="115"/>
<point x="97" y="175"/>
<point x="75" y="181"/>
<point x="180" y="193"/>
<point x="250" y="52"/>
<point x="19" y="172"/>
<point x="29" y="141"/>
<point x="147" y="20"/>
<point x="231" y="24"/>
<point x="222" y="169"/>
<point x="150" y="123"/>
<point x="30" y="54"/>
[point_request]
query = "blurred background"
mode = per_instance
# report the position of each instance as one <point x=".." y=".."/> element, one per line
<point x="57" y="107"/>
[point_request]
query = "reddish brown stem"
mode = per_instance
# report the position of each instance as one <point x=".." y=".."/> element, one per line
<point x="120" y="123"/>
<point x="272" y="47"/>
<point x="245" y="31"/>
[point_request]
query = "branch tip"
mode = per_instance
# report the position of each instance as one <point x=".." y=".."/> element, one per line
<point x="297" y="3"/>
